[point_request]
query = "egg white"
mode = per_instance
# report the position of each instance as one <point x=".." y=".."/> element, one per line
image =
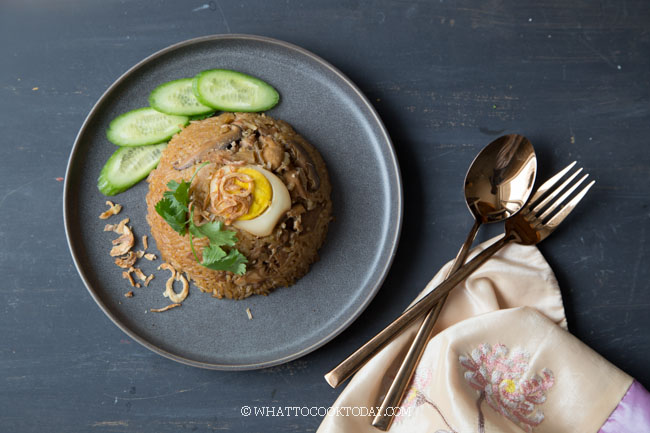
<point x="264" y="224"/>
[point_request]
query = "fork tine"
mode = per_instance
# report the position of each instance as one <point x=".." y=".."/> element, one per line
<point x="546" y="186"/>
<point x="567" y="208"/>
<point x="560" y="200"/>
<point x="556" y="191"/>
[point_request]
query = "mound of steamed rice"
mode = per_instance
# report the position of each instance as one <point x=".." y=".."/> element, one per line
<point x="273" y="261"/>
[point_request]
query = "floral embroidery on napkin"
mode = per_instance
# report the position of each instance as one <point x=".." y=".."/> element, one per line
<point x="415" y="396"/>
<point x="499" y="380"/>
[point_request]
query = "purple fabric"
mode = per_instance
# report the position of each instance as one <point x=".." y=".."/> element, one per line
<point x="632" y="415"/>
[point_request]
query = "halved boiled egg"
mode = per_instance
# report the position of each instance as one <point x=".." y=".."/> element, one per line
<point x="270" y="201"/>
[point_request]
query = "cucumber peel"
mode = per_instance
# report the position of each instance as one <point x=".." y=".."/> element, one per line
<point x="226" y="90"/>
<point x="128" y="166"/>
<point x="144" y="126"/>
<point x="177" y="98"/>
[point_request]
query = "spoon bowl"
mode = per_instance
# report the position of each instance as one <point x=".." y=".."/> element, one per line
<point x="497" y="185"/>
<point x="501" y="178"/>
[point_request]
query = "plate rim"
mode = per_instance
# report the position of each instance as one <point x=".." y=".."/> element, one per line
<point x="393" y="167"/>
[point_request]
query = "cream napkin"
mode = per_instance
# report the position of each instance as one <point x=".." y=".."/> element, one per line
<point x="501" y="361"/>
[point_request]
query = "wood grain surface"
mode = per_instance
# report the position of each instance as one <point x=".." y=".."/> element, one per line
<point x="446" y="78"/>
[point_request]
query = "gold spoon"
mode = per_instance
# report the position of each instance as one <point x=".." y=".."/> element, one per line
<point x="497" y="185"/>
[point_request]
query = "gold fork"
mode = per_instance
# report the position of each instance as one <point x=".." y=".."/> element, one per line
<point x="534" y="223"/>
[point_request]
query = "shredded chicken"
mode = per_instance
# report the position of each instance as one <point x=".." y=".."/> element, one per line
<point x="150" y="257"/>
<point x="168" y="307"/>
<point x="145" y="242"/>
<point x="272" y="152"/>
<point x="148" y="280"/>
<point x="128" y="294"/>
<point x="250" y="315"/>
<point x="139" y="254"/>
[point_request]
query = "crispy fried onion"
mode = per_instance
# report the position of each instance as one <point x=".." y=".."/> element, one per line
<point x="163" y="309"/>
<point x="138" y="273"/>
<point x="124" y="243"/>
<point x="230" y="193"/>
<point x="126" y="261"/>
<point x="113" y="209"/>
<point x="127" y="275"/>
<point x="117" y="228"/>
<point x="169" y="286"/>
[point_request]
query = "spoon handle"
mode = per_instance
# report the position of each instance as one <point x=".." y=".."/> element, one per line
<point x="384" y="417"/>
<point x="353" y="362"/>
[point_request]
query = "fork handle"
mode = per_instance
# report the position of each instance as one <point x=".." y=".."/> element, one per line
<point x="353" y="362"/>
<point x="384" y="417"/>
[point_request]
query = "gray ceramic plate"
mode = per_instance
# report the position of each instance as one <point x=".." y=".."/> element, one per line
<point x="326" y="108"/>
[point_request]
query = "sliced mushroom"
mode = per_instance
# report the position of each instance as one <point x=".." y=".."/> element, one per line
<point x="229" y="134"/>
<point x="295" y="181"/>
<point x="304" y="161"/>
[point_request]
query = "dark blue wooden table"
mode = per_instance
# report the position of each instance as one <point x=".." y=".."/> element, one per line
<point x="446" y="77"/>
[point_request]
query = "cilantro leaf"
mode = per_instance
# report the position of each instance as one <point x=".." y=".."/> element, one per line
<point x="172" y="212"/>
<point x="174" y="208"/>
<point x="212" y="254"/>
<point x="216" y="259"/>
<point x="179" y="192"/>
<point x="214" y="232"/>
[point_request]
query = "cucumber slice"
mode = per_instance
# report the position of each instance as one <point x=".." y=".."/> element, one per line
<point x="202" y="116"/>
<point x="177" y="98"/>
<point x="228" y="90"/>
<point x="144" y="126"/>
<point x="128" y="166"/>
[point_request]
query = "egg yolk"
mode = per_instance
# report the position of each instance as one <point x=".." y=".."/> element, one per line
<point x="262" y="193"/>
